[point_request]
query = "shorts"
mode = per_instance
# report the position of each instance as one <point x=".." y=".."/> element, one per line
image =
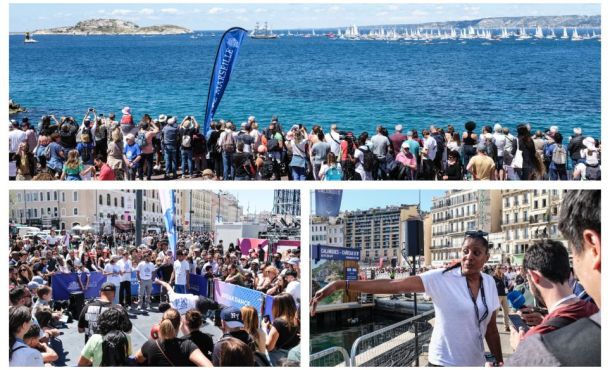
<point x="499" y="163"/>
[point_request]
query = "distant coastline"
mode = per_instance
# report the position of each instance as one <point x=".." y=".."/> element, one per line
<point x="112" y="27"/>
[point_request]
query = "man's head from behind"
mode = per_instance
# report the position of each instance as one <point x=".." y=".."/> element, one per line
<point x="580" y="223"/>
<point x="547" y="265"/>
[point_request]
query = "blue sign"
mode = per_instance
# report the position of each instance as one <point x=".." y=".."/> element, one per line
<point x="198" y="285"/>
<point x="226" y="56"/>
<point x="64" y="284"/>
<point x="236" y="296"/>
<point x="135" y="286"/>
<point x="328" y="202"/>
<point x="351" y="273"/>
<point x="323" y="252"/>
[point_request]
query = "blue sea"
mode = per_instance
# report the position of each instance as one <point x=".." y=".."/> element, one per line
<point x="357" y="84"/>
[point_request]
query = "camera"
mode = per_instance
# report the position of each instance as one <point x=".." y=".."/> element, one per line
<point x="91" y="109"/>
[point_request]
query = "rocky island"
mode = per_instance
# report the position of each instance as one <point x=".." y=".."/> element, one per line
<point x="112" y="27"/>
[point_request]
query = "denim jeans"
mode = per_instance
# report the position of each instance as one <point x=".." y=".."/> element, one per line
<point x="298" y="173"/>
<point x="171" y="161"/>
<point x="227" y="165"/>
<point x="187" y="159"/>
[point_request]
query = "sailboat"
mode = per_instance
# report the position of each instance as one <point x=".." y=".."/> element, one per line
<point x="504" y="34"/>
<point x="29" y="39"/>
<point x="539" y="34"/>
<point x="523" y="35"/>
<point x="264" y="33"/>
<point x="551" y="35"/>
<point x="565" y="34"/>
<point x="575" y="36"/>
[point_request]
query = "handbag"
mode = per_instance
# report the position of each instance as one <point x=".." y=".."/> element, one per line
<point x="518" y="159"/>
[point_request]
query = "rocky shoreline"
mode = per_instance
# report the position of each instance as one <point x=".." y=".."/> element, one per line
<point x="112" y="27"/>
<point x="14" y="108"/>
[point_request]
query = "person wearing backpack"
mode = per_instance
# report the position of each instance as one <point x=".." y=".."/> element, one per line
<point x="558" y="158"/>
<point x="227" y="146"/>
<point x="170" y="148"/>
<point x="298" y="146"/>
<point x="348" y="161"/>
<point x="188" y="128"/>
<point x="364" y="158"/>
<point x="331" y="169"/>
<point x="589" y="168"/>
<point x="243" y="164"/>
<point x="146" y="135"/>
<point x="55" y="155"/>
<point x="439" y="154"/>
<point x="67" y="133"/>
<point x="429" y="152"/>
<point x="85" y="150"/>
<point x="576" y="344"/>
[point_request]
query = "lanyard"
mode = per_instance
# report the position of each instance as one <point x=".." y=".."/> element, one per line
<point x="474" y="301"/>
<point x="562" y="300"/>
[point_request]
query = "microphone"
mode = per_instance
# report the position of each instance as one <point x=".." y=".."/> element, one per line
<point x="516" y="299"/>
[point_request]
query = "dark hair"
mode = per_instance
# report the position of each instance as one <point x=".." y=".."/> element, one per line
<point x="114" y="318"/>
<point x="194" y="319"/>
<point x="470" y="126"/>
<point x="204" y="304"/>
<point x="17" y="316"/>
<point x="16" y="294"/>
<point x="164" y="306"/>
<point x="33" y="332"/>
<point x="558" y="137"/>
<point x="580" y="210"/>
<point x="234" y="352"/>
<point x="44" y="315"/>
<point x="550" y="257"/>
<point x="42" y="291"/>
<point x="114" y="349"/>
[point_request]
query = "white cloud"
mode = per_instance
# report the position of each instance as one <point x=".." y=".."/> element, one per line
<point x="122" y="12"/>
<point x="215" y="10"/>
<point x="172" y="11"/>
<point x="419" y="13"/>
<point x="147" y="11"/>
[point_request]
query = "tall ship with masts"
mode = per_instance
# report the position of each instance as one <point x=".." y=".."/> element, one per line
<point x="262" y="33"/>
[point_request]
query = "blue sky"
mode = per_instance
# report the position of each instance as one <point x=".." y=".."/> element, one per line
<point x="261" y="200"/>
<point x="365" y="199"/>
<point x="24" y="17"/>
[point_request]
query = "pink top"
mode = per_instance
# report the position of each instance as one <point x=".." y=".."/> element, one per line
<point x="406" y="160"/>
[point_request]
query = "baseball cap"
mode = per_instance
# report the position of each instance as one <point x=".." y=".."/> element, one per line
<point x="39" y="280"/>
<point x="294" y="261"/>
<point x="232" y="317"/>
<point x="33" y="285"/>
<point x="108" y="287"/>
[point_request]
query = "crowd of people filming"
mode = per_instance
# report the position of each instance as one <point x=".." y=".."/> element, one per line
<point x="110" y="148"/>
<point x="247" y="338"/>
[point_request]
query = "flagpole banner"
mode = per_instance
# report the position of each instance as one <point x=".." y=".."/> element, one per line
<point x="236" y="296"/>
<point x="226" y="57"/>
<point x="64" y="284"/>
<point x="168" y="208"/>
<point x="328" y="202"/>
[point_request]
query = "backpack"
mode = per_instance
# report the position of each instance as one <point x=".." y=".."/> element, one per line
<point x="186" y="140"/>
<point x="370" y="160"/>
<point x="141" y="140"/>
<point x="576" y="344"/>
<point x="85" y="153"/>
<point x="593" y="172"/>
<point x="560" y="155"/>
<point x="228" y="143"/>
<point x="268" y="168"/>
<point x="272" y="143"/>
<point x="333" y="174"/>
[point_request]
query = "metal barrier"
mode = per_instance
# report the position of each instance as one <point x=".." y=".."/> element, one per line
<point x="330" y="357"/>
<point x="399" y="344"/>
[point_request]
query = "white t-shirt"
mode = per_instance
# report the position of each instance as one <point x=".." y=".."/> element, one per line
<point x="456" y="340"/>
<point x="126" y="267"/>
<point x="334" y="139"/>
<point x="294" y="289"/>
<point x="115" y="278"/>
<point x="145" y="269"/>
<point x="183" y="302"/>
<point x="430" y="145"/>
<point x="181" y="269"/>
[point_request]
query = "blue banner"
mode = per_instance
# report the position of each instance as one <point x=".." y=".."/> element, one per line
<point x="226" y="56"/>
<point x="198" y="285"/>
<point x="351" y="273"/>
<point x="237" y="296"/>
<point x="328" y="202"/>
<point x="323" y="252"/>
<point x="64" y="284"/>
<point x="168" y="208"/>
<point x="268" y="306"/>
<point x="135" y="286"/>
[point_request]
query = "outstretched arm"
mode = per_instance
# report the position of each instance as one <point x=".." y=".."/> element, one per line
<point x="412" y="284"/>
<point x="167" y="287"/>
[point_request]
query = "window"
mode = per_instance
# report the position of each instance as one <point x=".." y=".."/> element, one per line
<point x="116" y="202"/>
<point x="544" y="203"/>
<point x="63" y="197"/>
<point x="55" y="211"/>
<point x="535" y="204"/>
<point x="75" y="211"/>
<point x="19" y="197"/>
<point x="48" y="195"/>
<point x="108" y="200"/>
<point x="27" y="197"/>
<point x="41" y="196"/>
<point x="55" y="195"/>
<point x="123" y="202"/>
<point x="75" y="196"/>
<point x="101" y="200"/>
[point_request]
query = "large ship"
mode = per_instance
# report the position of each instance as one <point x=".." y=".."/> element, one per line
<point x="262" y="33"/>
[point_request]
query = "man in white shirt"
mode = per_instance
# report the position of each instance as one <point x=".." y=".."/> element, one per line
<point x="125" y="289"/>
<point x="144" y="273"/>
<point x="52" y="238"/>
<point x="180" y="274"/>
<point x="113" y="275"/>
<point x="428" y="155"/>
<point x="334" y="139"/>
<point x="15" y="137"/>
<point x="294" y="286"/>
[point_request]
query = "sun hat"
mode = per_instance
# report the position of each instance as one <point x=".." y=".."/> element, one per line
<point x="126" y="110"/>
<point x="162" y="118"/>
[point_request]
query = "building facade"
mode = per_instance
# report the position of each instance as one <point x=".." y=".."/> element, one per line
<point x="287" y="202"/>
<point x="458" y="211"/>
<point x="195" y="210"/>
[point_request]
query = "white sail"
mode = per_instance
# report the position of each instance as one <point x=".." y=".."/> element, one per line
<point x="575" y="36"/>
<point x="565" y="34"/>
<point x="539" y="33"/>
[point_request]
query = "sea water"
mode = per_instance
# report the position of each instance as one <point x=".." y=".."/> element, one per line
<point x="356" y="84"/>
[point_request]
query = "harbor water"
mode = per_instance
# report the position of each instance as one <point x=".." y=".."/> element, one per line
<point x="357" y="84"/>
